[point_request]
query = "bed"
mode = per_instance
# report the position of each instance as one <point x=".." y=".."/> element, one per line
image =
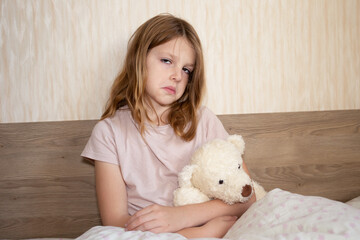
<point x="309" y="162"/>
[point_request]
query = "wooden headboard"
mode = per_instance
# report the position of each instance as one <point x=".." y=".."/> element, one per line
<point x="47" y="190"/>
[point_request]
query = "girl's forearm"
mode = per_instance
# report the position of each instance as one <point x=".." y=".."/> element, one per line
<point x="119" y="221"/>
<point x="207" y="219"/>
<point x="199" y="214"/>
<point x="172" y="219"/>
<point x="192" y="232"/>
<point x="215" y="228"/>
<point x="202" y="232"/>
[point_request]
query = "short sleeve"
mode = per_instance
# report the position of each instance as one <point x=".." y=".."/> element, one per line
<point x="101" y="144"/>
<point x="212" y="125"/>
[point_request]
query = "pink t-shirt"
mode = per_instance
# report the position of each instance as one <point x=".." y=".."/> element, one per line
<point x="150" y="169"/>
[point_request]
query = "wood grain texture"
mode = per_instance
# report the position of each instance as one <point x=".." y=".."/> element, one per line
<point x="59" y="58"/>
<point x="47" y="190"/>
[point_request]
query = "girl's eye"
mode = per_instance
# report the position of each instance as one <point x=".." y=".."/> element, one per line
<point x="164" y="60"/>
<point x="187" y="71"/>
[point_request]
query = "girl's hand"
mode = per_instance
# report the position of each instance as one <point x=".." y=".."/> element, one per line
<point x="157" y="219"/>
<point x="218" y="227"/>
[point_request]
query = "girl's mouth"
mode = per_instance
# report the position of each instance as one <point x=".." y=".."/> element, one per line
<point x="170" y="90"/>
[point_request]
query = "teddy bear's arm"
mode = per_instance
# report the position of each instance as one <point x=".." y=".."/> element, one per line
<point x="259" y="191"/>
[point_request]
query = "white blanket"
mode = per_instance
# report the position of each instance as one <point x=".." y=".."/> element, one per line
<point x="279" y="215"/>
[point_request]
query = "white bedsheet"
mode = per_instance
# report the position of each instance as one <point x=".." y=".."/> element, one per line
<point x="110" y="233"/>
<point x="285" y="215"/>
<point x="279" y="215"/>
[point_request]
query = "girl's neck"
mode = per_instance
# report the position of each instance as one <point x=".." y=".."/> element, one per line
<point x="158" y="117"/>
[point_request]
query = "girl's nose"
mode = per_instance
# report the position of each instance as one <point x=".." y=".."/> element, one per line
<point x="176" y="74"/>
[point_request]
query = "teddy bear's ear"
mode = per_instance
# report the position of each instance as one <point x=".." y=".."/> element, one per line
<point x="238" y="141"/>
<point x="185" y="176"/>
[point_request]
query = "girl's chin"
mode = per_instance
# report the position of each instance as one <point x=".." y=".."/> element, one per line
<point x="166" y="102"/>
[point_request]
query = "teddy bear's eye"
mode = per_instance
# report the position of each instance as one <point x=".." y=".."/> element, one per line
<point x="239" y="166"/>
<point x="221" y="181"/>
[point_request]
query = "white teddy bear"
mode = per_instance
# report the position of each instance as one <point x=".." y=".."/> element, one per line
<point x="215" y="172"/>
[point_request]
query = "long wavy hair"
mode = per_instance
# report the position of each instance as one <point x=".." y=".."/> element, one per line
<point x="129" y="86"/>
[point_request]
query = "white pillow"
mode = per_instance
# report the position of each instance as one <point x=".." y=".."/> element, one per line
<point x="354" y="202"/>
<point x="284" y="215"/>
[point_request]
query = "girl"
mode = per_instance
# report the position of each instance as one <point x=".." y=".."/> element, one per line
<point x="152" y="124"/>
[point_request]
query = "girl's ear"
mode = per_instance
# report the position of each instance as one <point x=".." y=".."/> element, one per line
<point x="238" y="141"/>
<point x="185" y="176"/>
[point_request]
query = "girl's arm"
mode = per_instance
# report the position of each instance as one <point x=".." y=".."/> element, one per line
<point x="111" y="194"/>
<point x="158" y="218"/>
<point x="215" y="228"/>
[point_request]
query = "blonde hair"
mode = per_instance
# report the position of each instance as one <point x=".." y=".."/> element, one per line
<point x="129" y="86"/>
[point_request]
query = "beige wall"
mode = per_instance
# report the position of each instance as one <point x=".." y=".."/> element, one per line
<point x="58" y="58"/>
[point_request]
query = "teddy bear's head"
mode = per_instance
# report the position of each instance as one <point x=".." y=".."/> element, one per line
<point x="216" y="170"/>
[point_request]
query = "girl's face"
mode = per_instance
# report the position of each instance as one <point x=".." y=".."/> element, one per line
<point x="169" y="66"/>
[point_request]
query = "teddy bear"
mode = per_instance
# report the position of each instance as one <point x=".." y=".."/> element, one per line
<point x="215" y="172"/>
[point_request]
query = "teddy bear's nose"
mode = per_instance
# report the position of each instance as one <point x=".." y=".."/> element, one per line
<point x="246" y="191"/>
